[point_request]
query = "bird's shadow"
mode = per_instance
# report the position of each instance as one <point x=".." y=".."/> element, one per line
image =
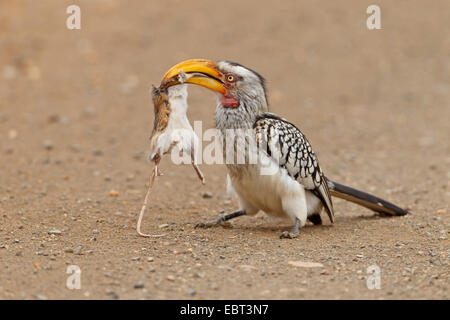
<point x="285" y="224"/>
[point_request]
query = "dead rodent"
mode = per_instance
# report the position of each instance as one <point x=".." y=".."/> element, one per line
<point x="171" y="128"/>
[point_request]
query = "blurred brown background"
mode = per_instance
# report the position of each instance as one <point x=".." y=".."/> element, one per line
<point x="75" y="117"/>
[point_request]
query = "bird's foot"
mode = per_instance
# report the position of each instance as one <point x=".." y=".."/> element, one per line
<point x="206" y="225"/>
<point x="222" y="220"/>
<point x="288" y="235"/>
<point x="210" y="224"/>
<point x="294" y="231"/>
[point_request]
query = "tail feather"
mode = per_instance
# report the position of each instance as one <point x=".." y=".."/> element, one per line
<point x="365" y="199"/>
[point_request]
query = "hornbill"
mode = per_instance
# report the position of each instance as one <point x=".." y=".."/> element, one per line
<point x="298" y="189"/>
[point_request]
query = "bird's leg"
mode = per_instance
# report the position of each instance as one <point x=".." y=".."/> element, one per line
<point x="294" y="231"/>
<point x="221" y="219"/>
<point x="315" y="219"/>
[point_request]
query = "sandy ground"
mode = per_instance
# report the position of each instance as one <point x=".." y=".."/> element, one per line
<point x="75" y="117"/>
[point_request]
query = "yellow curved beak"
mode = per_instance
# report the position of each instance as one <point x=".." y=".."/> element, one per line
<point x="196" y="71"/>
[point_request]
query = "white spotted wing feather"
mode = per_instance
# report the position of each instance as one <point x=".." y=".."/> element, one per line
<point x="286" y="145"/>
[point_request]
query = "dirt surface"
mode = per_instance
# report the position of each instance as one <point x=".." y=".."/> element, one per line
<point x="76" y="114"/>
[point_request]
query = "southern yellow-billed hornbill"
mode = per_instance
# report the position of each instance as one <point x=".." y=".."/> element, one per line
<point x="293" y="184"/>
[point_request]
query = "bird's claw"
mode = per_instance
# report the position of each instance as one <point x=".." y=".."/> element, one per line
<point x="205" y="225"/>
<point x="288" y="235"/>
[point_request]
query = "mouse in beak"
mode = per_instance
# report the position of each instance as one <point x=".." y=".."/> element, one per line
<point x="171" y="129"/>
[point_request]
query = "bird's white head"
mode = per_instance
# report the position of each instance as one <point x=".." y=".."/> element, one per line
<point x="238" y="87"/>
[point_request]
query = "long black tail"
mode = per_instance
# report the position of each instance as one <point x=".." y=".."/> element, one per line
<point x="364" y="199"/>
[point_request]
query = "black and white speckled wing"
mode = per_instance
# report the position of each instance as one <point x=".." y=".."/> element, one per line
<point x="288" y="146"/>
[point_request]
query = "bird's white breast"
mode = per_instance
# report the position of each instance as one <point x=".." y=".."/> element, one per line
<point x="268" y="188"/>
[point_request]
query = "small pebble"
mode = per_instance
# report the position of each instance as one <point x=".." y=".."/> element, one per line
<point x="75" y="147"/>
<point x="305" y="264"/>
<point x="12" y="134"/>
<point x="55" y="231"/>
<point x="214" y="286"/>
<point x="77" y="250"/>
<point x="113" y="193"/>
<point x="171" y="278"/>
<point x="206" y="195"/>
<point x="113" y="295"/>
<point x="9" y="72"/>
<point x="48" y="144"/>
<point x="139" y="285"/>
<point x="89" y="111"/>
<point x="191" y="292"/>
<point x="54" y="118"/>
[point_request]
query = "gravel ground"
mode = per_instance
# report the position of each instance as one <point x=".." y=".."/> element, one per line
<point x="75" y="117"/>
